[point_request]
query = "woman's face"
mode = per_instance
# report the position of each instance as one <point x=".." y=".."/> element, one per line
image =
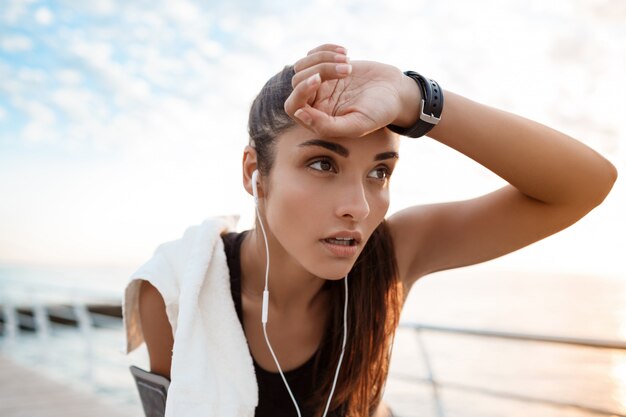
<point x="320" y="189"/>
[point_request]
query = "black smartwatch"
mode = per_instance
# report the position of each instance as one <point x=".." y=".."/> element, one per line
<point x="431" y="107"/>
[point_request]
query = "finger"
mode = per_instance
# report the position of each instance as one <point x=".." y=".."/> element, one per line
<point x="327" y="71"/>
<point x="301" y="94"/>
<point x="329" y="47"/>
<point x="318" y="58"/>
<point x="349" y="125"/>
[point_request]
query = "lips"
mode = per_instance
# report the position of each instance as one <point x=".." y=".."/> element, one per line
<point x="341" y="241"/>
<point x="344" y="237"/>
<point x="343" y="244"/>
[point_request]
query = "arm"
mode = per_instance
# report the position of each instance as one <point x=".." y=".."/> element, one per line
<point x="554" y="181"/>
<point x="156" y="329"/>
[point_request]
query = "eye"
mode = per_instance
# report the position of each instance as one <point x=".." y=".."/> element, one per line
<point x="380" y="173"/>
<point x="323" y="165"/>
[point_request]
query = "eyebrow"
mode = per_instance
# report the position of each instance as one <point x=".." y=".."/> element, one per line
<point x="343" y="151"/>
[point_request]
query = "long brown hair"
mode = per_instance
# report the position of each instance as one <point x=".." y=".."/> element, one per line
<point x="375" y="291"/>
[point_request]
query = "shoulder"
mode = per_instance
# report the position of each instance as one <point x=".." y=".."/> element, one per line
<point x="162" y="276"/>
<point x="408" y="232"/>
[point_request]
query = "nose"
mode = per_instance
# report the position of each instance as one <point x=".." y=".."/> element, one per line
<point x="353" y="202"/>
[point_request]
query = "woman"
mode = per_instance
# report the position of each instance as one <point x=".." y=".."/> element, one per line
<point x="323" y="144"/>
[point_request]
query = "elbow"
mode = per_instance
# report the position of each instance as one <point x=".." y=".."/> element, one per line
<point x="591" y="186"/>
<point x="590" y="195"/>
<point x="603" y="183"/>
<point x="612" y="175"/>
<point x="609" y="180"/>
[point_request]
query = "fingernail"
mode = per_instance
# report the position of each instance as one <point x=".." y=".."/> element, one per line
<point x="303" y="116"/>
<point x="341" y="58"/>
<point x="314" y="79"/>
<point x="343" y="68"/>
<point x="341" y="50"/>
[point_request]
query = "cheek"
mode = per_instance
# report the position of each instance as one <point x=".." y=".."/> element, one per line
<point x="299" y="213"/>
<point x="379" y="204"/>
<point x="380" y="200"/>
<point x="292" y="208"/>
<point x="299" y="196"/>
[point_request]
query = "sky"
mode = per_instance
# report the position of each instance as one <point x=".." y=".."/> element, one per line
<point x="123" y="122"/>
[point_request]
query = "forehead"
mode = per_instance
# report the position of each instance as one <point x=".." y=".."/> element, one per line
<point x="299" y="140"/>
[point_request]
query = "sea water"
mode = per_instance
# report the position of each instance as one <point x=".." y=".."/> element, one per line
<point x="478" y="376"/>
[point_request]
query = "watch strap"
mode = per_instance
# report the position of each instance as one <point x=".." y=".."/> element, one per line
<point x="430" y="108"/>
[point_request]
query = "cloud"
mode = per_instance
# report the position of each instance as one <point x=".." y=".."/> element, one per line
<point x="125" y="88"/>
<point x="79" y="104"/>
<point x="182" y="11"/>
<point x="164" y="92"/>
<point x="102" y="7"/>
<point x="13" y="10"/>
<point x="16" y="43"/>
<point x="69" y="76"/>
<point x="44" y="16"/>
<point x="41" y="121"/>
<point x="32" y="76"/>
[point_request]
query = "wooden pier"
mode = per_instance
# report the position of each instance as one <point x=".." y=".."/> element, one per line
<point x="26" y="393"/>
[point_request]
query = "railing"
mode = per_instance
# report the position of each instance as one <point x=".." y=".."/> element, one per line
<point x="85" y="320"/>
<point x="436" y="385"/>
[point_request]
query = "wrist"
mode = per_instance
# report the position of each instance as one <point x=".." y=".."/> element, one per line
<point x="430" y="107"/>
<point x="410" y="95"/>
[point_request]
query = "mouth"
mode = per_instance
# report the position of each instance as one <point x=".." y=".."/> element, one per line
<point x="341" y="241"/>
<point x="343" y="244"/>
<point x="341" y="248"/>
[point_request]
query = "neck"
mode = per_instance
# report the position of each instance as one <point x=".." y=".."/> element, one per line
<point x="291" y="287"/>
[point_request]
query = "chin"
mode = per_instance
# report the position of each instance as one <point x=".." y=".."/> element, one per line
<point x="332" y="272"/>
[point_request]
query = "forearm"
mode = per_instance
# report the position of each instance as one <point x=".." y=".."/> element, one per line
<point x="539" y="161"/>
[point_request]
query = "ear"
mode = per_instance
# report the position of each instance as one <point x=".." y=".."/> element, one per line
<point x="249" y="164"/>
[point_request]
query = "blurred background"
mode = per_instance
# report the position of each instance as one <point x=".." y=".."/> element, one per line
<point x="123" y="122"/>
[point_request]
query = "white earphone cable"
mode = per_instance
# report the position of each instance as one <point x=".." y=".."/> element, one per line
<point x="265" y="312"/>
<point x="343" y="346"/>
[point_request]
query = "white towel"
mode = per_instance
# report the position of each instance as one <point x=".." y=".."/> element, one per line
<point x="212" y="371"/>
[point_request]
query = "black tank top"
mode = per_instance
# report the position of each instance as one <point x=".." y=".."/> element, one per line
<point x="274" y="399"/>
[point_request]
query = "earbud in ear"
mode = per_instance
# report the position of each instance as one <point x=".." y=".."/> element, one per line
<point x="255" y="192"/>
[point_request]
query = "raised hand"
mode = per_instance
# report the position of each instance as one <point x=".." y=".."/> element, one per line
<point x="337" y="98"/>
